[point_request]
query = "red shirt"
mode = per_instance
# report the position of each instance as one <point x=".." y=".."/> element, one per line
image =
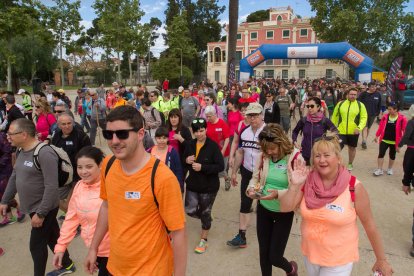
<point x="248" y="100"/>
<point x="218" y="132"/>
<point x="165" y="85"/>
<point x="233" y="119"/>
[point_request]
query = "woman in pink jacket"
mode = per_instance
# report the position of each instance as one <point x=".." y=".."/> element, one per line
<point x="44" y="118"/>
<point x="84" y="208"/>
<point x="389" y="134"/>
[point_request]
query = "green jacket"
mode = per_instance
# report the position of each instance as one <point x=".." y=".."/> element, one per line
<point x="27" y="103"/>
<point x="345" y="116"/>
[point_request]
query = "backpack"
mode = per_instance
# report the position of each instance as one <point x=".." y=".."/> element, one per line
<point x="162" y="116"/>
<point x="356" y="118"/>
<point x="154" y="170"/>
<point x="65" y="168"/>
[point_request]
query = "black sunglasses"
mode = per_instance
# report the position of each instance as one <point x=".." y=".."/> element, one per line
<point x="59" y="111"/>
<point x="310" y="106"/>
<point x="266" y="136"/>
<point x="122" y="134"/>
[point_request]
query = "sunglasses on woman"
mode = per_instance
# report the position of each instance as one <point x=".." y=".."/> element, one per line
<point x="122" y="134"/>
<point x="310" y="106"/>
<point x="200" y="121"/>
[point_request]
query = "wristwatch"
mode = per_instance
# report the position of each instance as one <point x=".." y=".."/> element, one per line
<point x="40" y="215"/>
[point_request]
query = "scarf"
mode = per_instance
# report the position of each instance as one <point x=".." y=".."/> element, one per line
<point x="315" y="118"/>
<point x="316" y="196"/>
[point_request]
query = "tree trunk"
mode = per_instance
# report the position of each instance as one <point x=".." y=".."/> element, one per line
<point x="9" y="74"/>
<point x="138" y="70"/>
<point x="119" y="69"/>
<point x="130" y="69"/>
<point x="232" y="35"/>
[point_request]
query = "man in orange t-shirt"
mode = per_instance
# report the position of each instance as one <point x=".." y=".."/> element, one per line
<point x="137" y="226"/>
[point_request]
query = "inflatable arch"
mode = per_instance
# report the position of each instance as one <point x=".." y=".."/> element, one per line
<point x="341" y="50"/>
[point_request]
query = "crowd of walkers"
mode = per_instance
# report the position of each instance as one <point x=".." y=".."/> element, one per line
<point x="170" y="147"/>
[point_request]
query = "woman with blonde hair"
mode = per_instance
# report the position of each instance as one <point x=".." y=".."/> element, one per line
<point x="269" y="176"/>
<point x="44" y="118"/>
<point x="330" y="201"/>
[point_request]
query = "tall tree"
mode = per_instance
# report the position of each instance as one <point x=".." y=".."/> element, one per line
<point x="119" y="23"/>
<point x="232" y="36"/>
<point x="64" y="21"/>
<point x="258" y="16"/>
<point x="369" y="25"/>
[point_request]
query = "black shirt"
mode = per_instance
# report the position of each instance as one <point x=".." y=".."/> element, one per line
<point x="389" y="133"/>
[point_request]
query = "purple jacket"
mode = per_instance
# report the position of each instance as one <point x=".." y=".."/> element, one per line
<point x="310" y="132"/>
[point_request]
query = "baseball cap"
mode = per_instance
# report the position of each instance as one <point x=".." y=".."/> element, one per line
<point x="254" y="108"/>
<point x="61" y="91"/>
<point x="180" y="89"/>
<point x="21" y="91"/>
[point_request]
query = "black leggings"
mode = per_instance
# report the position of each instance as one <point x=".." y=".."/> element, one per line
<point x="44" y="236"/>
<point x="245" y="201"/>
<point x="102" y="262"/>
<point x="408" y="165"/>
<point x="273" y="229"/>
<point x="383" y="149"/>
<point x="198" y="205"/>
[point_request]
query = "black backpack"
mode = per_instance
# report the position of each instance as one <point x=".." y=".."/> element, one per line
<point x="163" y="123"/>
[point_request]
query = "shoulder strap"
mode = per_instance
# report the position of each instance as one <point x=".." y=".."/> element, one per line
<point x="109" y="164"/>
<point x="352" y="187"/>
<point x="36" y="155"/>
<point x="153" y="113"/>
<point x="154" y="170"/>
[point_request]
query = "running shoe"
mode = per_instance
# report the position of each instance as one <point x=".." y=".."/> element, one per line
<point x="7" y="221"/>
<point x="227" y="184"/>
<point x="201" y="247"/>
<point x="237" y="241"/>
<point x="294" y="271"/>
<point x="20" y="216"/>
<point x="63" y="271"/>
<point x="390" y="172"/>
<point x="378" y="172"/>
<point x="350" y="167"/>
<point x="1" y="251"/>
<point x="364" y="145"/>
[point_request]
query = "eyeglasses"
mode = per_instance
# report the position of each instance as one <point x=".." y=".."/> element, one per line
<point x="269" y="96"/>
<point x="59" y="111"/>
<point x="266" y="136"/>
<point x="310" y="106"/>
<point x="37" y="106"/>
<point x="253" y="115"/>
<point x="325" y="138"/>
<point x="207" y="100"/>
<point x="199" y="120"/>
<point x="122" y="134"/>
<point x="13" y="133"/>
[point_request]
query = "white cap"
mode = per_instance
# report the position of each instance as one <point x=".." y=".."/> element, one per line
<point x="21" y="91"/>
<point x="180" y="89"/>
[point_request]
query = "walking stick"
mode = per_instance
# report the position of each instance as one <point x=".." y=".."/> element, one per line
<point x="98" y="126"/>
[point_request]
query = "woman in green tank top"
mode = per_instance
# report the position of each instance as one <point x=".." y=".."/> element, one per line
<point x="269" y="179"/>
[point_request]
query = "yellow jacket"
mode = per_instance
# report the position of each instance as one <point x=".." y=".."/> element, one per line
<point x="345" y="116"/>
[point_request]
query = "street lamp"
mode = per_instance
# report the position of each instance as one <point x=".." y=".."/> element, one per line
<point x="153" y="37"/>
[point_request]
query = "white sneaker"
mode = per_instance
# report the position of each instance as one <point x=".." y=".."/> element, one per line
<point x="390" y="172"/>
<point x="378" y="172"/>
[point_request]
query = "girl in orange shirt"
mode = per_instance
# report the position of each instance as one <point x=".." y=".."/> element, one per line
<point x="84" y="208"/>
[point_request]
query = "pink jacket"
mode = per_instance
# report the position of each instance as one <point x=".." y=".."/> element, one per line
<point x="83" y="209"/>
<point x="399" y="128"/>
<point x="43" y="124"/>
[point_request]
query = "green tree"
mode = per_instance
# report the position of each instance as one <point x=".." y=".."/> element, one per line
<point x="169" y="67"/>
<point x="258" y="16"/>
<point x="119" y="24"/>
<point x="64" y="21"/>
<point x="369" y="25"/>
<point x="179" y="41"/>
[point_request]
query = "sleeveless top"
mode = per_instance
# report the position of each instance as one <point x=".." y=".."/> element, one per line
<point x="249" y="142"/>
<point x="330" y="233"/>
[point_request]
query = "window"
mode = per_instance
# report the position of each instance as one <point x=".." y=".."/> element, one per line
<point x="279" y="18"/>
<point x="269" y="34"/>
<point x="253" y="36"/>
<point x="302" y="73"/>
<point x="303" y="61"/>
<point x="223" y="54"/>
<point x="211" y="56"/>
<point x="269" y="74"/>
<point x="269" y="62"/>
<point x="304" y="32"/>
<point x="217" y="54"/>
<point x="329" y="73"/>
<point x="238" y="56"/>
<point x="239" y="36"/>
<point x="286" y="34"/>
<point x="285" y="62"/>
<point x="237" y="75"/>
<point x="217" y="76"/>
<point x="285" y="74"/>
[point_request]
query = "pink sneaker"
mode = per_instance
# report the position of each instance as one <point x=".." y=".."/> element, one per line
<point x="1" y="251"/>
<point x="7" y="221"/>
<point x="20" y="216"/>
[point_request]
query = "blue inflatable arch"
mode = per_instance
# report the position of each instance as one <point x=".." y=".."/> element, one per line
<point x="342" y="50"/>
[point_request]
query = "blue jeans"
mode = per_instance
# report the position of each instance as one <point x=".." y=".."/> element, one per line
<point x="85" y="122"/>
<point x="285" y="122"/>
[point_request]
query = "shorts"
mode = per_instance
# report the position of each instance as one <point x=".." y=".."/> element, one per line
<point x="349" y="139"/>
<point x="370" y="120"/>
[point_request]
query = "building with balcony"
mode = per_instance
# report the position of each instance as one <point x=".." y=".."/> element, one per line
<point x="283" y="27"/>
